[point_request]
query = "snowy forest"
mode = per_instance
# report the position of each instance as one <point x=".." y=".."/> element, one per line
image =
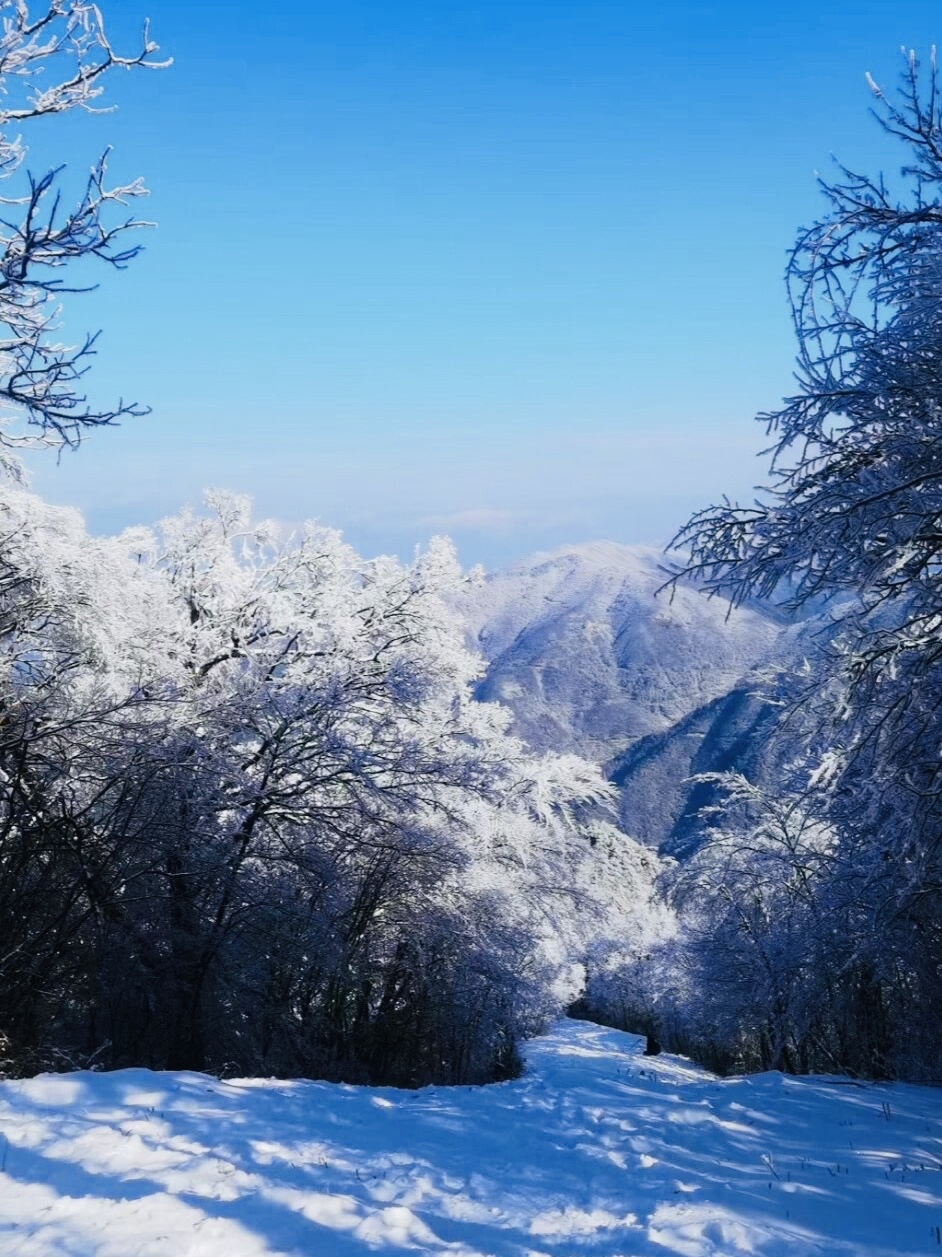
<point x="271" y="808"/>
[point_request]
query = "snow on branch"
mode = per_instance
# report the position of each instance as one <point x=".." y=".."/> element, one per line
<point x="52" y="62"/>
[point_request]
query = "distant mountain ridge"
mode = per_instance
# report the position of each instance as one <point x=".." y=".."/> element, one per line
<point x="591" y="657"/>
<point x="656" y="686"/>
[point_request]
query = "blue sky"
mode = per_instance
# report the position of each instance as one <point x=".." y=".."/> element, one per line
<point x="506" y="270"/>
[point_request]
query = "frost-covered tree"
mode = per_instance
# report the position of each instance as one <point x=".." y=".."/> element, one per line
<point x="855" y="502"/>
<point x="851" y="523"/>
<point x="66" y="674"/>
<point x="54" y="59"/>
<point x="757" y="944"/>
<point x="623" y="984"/>
<point x="253" y="816"/>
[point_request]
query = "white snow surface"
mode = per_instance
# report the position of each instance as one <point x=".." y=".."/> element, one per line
<point x="596" y="1150"/>
<point x="589" y="656"/>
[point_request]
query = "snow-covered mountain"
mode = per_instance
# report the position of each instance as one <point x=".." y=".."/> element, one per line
<point x="659" y="802"/>
<point x="591" y="657"/>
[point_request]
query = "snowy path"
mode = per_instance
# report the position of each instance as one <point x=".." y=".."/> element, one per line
<point x="595" y="1151"/>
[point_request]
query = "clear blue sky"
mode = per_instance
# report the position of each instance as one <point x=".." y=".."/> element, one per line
<point x="506" y="270"/>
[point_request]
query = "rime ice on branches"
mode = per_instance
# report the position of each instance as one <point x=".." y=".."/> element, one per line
<point x="51" y="62"/>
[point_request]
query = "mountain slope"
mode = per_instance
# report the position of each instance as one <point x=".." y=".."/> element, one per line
<point x="659" y="803"/>
<point x="590" y="657"/>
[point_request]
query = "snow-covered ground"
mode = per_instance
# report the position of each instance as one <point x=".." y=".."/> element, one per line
<point x="596" y="1150"/>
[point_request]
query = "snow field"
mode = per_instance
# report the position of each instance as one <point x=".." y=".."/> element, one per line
<point x="596" y="1150"/>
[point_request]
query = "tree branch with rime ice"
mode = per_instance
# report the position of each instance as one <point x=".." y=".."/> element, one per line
<point x="42" y="398"/>
<point x="847" y="536"/>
